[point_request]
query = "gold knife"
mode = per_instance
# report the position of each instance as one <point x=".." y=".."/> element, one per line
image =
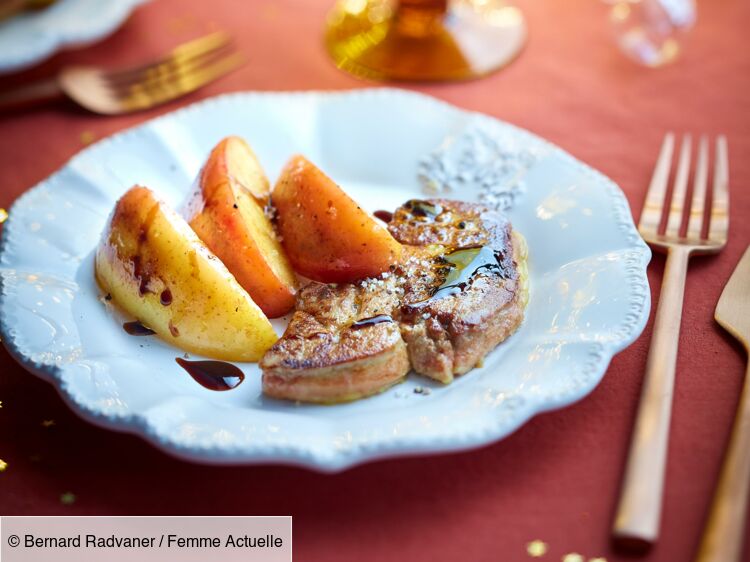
<point x="725" y="531"/>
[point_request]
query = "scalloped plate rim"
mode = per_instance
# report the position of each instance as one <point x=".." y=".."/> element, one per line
<point x="137" y="424"/>
<point x="45" y="46"/>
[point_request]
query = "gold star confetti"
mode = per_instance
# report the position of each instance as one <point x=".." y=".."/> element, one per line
<point x="3" y="465"/>
<point x="572" y="557"/>
<point x="87" y="137"/>
<point x="1" y="403"/>
<point x="48" y="423"/>
<point x="536" y="548"/>
<point x="3" y="215"/>
<point x="68" y="498"/>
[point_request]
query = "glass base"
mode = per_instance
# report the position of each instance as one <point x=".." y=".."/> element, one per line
<point x="375" y="39"/>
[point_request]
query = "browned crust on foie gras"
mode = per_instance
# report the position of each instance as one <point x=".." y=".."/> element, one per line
<point x="453" y="335"/>
<point x="322" y="358"/>
<point x="340" y="382"/>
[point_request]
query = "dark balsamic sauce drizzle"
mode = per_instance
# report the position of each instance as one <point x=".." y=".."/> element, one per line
<point x="166" y="297"/>
<point x="425" y="209"/>
<point x="213" y="375"/>
<point x="138" y="274"/>
<point x="366" y="322"/>
<point x="143" y="272"/>
<point x="135" y="328"/>
<point x="463" y="266"/>
<point x="384" y="216"/>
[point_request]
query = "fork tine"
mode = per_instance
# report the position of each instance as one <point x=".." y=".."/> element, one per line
<point x="175" y="71"/>
<point x="695" y="220"/>
<point x="169" y="90"/>
<point x="652" y="208"/>
<point x="719" y="225"/>
<point x="180" y="54"/>
<point x="674" y="219"/>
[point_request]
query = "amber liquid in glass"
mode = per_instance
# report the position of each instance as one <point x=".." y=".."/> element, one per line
<point x="424" y="39"/>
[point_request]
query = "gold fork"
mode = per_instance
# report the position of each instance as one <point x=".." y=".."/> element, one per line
<point x="183" y="70"/>
<point x="636" y="525"/>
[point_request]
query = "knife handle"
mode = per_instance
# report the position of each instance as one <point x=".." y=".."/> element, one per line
<point x="638" y="515"/>
<point x="725" y="531"/>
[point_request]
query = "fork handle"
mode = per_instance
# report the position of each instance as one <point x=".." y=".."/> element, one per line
<point x="638" y="515"/>
<point x="30" y="94"/>
<point x="725" y="531"/>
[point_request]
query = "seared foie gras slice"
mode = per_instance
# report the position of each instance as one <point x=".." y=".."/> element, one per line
<point x="340" y="345"/>
<point x="458" y="291"/>
<point x="479" y="300"/>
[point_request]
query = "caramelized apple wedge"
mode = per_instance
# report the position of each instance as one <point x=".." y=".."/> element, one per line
<point x="327" y="236"/>
<point x="155" y="267"/>
<point x="226" y="211"/>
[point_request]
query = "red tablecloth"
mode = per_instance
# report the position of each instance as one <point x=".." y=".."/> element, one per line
<point x="556" y="479"/>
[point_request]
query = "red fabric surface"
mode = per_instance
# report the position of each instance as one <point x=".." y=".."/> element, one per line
<point x="557" y="478"/>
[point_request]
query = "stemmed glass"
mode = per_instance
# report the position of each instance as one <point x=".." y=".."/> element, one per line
<point x="424" y="39"/>
<point x="650" y="31"/>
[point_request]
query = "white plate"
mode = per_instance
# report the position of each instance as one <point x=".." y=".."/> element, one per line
<point x="31" y="37"/>
<point x="589" y="293"/>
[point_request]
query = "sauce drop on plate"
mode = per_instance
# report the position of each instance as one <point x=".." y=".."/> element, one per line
<point x="135" y="328"/>
<point x="213" y="375"/>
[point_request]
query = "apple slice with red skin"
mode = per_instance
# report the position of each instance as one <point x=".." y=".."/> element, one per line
<point x="327" y="235"/>
<point x="227" y="212"/>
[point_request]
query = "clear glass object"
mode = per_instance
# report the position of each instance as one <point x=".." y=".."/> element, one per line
<point x="651" y="31"/>
<point x="424" y="39"/>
